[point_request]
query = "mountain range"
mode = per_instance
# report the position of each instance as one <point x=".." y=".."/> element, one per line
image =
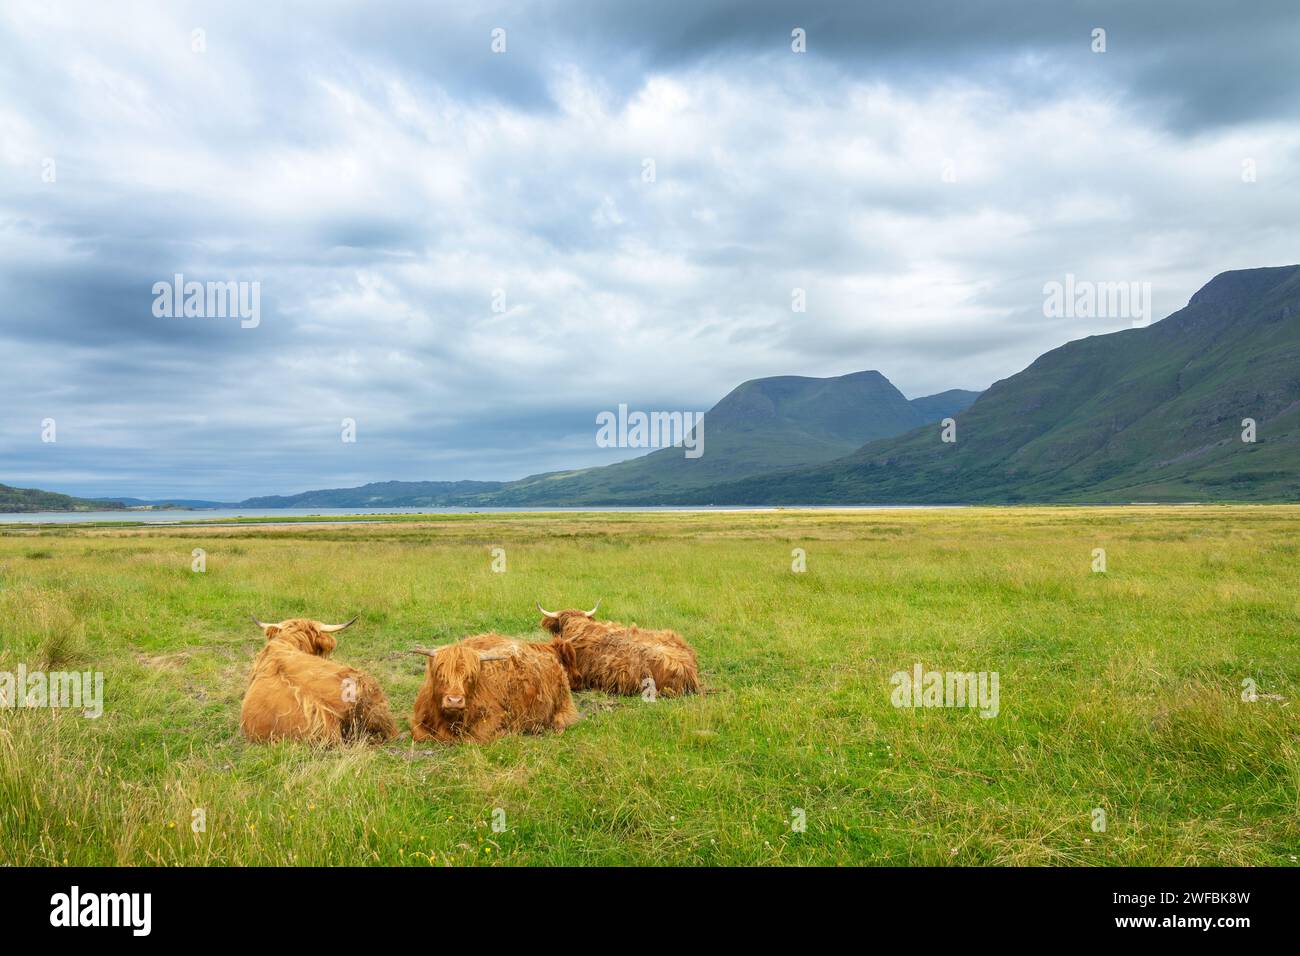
<point x="1158" y="413"/>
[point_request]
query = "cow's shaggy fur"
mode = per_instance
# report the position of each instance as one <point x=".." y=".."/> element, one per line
<point x="525" y="692"/>
<point x="296" y="693"/>
<point x="618" y="658"/>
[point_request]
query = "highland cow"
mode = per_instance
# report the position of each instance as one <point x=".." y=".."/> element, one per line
<point x="488" y="685"/>
<point x="623" y="660"/>
<point x="296" y="693"/>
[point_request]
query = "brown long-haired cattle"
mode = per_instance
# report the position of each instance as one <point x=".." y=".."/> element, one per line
<point x="296" y="693"/>
<point x="488" y="685"/>
<point x="617" y="658"/>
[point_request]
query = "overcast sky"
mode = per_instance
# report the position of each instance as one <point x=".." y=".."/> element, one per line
<point x="388" y="178"/>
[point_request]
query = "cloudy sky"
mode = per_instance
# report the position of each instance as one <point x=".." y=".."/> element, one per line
<point x="462" y="249"/>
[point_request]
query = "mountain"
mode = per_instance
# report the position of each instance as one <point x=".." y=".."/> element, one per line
<point x="379" y="494"/>
<point x="761" y="426"/>
<point x="15" y="500"/>
<point x="1149" y="414"/>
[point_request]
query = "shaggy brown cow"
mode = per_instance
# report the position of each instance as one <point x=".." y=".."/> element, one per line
<point x="295" y="693"/>
<point x="618" y="658"/>
<point x="488" y="685"/>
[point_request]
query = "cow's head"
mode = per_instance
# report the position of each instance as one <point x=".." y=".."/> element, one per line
<point x="310" y="637"/>
<point x="454" y="671"/>
<point x="553" y="621"/>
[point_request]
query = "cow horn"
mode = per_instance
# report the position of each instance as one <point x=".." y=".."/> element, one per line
<point x="423" y="652"/>
<point x="331" y="628"/>
<point x="550" y="614"/>
<point x="593" y="610"/>
<point x="259" y="623"/>
<point x="494" y="657"/>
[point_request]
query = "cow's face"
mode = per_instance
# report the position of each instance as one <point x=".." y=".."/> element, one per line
<point x="454" y="671"/>
<point x="310" y="637"/>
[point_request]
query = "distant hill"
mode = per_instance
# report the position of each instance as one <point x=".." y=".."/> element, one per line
<point x="380" y="494"/>
<point x="23" y="500"/>
<point x="761" y="426"/>
<point x="1149" y="414"/>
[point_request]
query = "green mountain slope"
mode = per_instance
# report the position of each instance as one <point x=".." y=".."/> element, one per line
<point x="1143" y="414"/>
<point x="23" y="500"/>
<point x="761" y="426"/>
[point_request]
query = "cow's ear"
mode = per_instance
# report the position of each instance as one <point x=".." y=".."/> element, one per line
<point x="271" y="631"/>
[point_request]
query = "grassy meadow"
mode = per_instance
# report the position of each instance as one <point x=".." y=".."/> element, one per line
<point x="1120" y="691"/>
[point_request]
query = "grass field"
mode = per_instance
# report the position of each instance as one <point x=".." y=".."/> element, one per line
<point x="1121" y="691"/>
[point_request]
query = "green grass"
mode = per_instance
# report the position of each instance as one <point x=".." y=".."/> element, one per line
<point x="1120" y="691"/>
